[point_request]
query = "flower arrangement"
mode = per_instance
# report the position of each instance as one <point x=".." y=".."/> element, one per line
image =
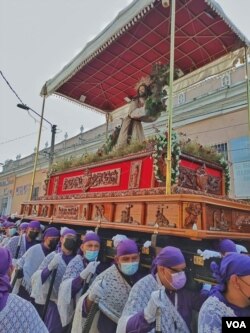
<point x="159" y="80"/>
<point x="224" y="163"/>
<point x="160" y="153"/>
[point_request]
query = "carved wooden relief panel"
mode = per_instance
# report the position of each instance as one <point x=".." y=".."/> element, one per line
<point x="44" y="210"/>
<point x="92" y="180"/>
<point x="218" y="218"/>
<point x="199" y="180"/>
<point x="85" y="212"/>
<point x="128" y="213"/>
<point x="69" y="212"/>
<point x="162" y="214"/>
<point x="34" y="210"/>
<point x="100" y="212"/>
<point x="135" y="174"/>
<point x="27" y="209"/>
<point x="192" y="215"/>
<point x="241" y="221"/>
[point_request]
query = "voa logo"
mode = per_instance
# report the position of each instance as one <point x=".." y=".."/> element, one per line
<point x="235" y="324"/>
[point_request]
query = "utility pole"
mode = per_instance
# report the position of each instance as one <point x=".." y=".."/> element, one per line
<point x="52" y="146"/>
<point x="37" y="150"/>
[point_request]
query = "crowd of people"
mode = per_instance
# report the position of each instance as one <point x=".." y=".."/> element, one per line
<point x="53" y="281"/>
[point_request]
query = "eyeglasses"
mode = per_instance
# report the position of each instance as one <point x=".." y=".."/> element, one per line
<point x="245" y="282"/>
<point x="177" y="270"/>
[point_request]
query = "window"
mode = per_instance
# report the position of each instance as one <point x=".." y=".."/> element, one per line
<point x="226" y="80"/>
<point x="4" y="205"/>
<point x="181" y="98"/>
<point x="35" y="193"/>
<point x="222" y="149"/>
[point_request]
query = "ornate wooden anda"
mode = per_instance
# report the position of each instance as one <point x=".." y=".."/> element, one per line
<point x="125" y="195"/>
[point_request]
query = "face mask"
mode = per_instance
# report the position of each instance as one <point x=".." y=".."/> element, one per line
<point x="70" y="244"/>
<point x="129" y="268"/>
<point x="248" y="297"/>
<point x="33" y="234"/>
<point x="53" y="244"/>
<point x="12" y="232"/>
<point x="178" y="280"/>
<point x="91" y="255"/>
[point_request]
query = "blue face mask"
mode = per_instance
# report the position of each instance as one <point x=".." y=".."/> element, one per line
<point x="12" y="232"/>
<point x="130" y="268"/>
<point x="91" y="255"/>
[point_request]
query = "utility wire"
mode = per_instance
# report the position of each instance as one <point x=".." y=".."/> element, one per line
<point x="25" y="107"/>
<point x="18" y="138"/>
<point x="11" y="87"/>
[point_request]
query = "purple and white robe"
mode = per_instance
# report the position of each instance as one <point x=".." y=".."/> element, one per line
<point x="20" y="316"/>
<point x="66" y="299"/>
<point x="13" y="244"/>
<point x="5" y="241"/>
<point x="132" y="319"/>
<point x="40" y="288"/>
<point x="29" y="263"/>
<point x="111" y="305"/>
<point x="212" y="311"/>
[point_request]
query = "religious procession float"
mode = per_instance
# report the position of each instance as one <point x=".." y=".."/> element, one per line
<point x="122" y="189"/>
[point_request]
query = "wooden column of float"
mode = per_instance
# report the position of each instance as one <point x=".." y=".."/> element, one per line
<point x="204" y="217"/>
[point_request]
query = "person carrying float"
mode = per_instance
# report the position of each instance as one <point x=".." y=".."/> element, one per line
<point x="16" y="314"/>
<point x="50" y="274"/>
<point x="231" y="297"/>
<point x="25" y="240"/>
<point x="160" y="301"/>
<point x="79" y="274"/>
<point x="28" y="264"/>
<point x="110" y="290"/>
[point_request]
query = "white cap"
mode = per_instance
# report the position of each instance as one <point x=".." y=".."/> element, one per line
<point x="118" y="238"/>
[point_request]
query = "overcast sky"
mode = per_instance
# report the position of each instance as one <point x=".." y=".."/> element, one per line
<point x="38" y="38"/>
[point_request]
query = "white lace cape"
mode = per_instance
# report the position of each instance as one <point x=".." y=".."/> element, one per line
<point x="210" y="315"/>
<point x="66" y="304"/>
<point x="29" y="262"/>
<point x="113" y="302"/>
<point x="171" y="320"/>
<point x="39" y="289"/>
<point x="12" y="246"/>
<point x="5" y="241"/>
<point x="20" y="316"/>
